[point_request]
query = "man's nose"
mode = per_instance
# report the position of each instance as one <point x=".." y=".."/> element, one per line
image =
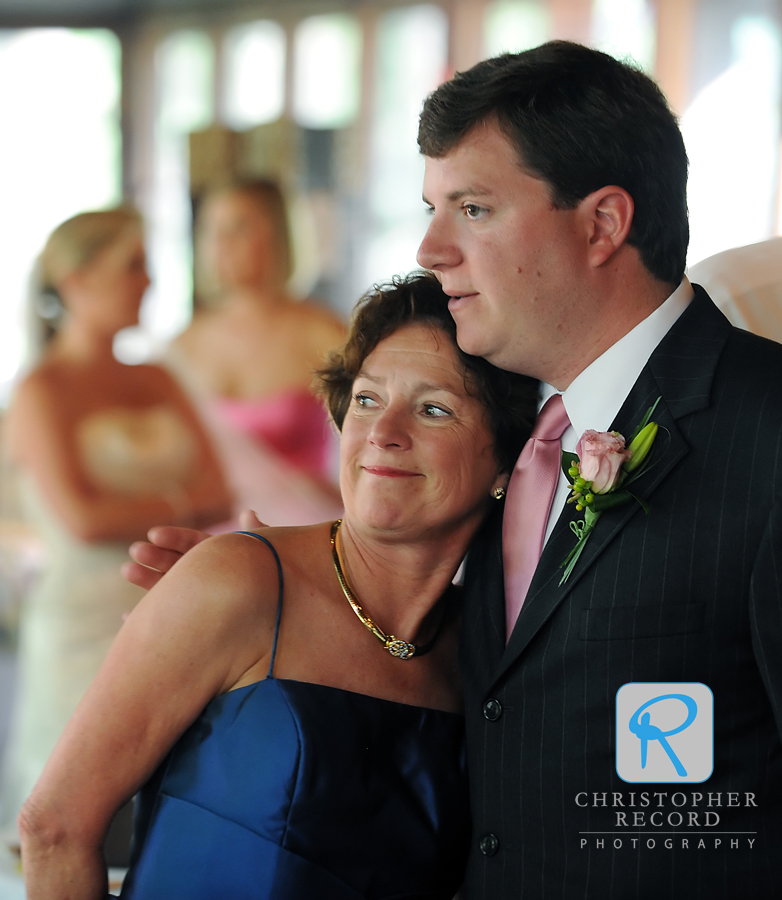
<point x="438" y="249"/>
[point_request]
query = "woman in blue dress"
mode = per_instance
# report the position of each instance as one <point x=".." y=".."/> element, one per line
<point x="287" y="701"/>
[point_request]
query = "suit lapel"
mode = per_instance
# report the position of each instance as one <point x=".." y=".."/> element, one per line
<point x="680" y="372"/>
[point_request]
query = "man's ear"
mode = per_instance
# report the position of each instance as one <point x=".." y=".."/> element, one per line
<point x="609" y="216"/>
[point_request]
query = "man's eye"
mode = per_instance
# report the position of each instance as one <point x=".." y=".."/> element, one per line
<point x="472" y="210"/>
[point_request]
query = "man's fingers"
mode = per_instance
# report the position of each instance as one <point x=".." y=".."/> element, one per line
<point x="139" y="575"/>
<point x="171" y="537"/>
<point x="248" y="520"/>
<point x="153" y="557"/>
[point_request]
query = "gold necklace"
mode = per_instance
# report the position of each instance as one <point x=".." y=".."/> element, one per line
<point x="395" y="646"/>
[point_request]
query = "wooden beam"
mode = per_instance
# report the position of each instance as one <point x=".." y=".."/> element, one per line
<point x="571" y="20"/>
<point x="675" y="33"/>
<point x="466" y="33"/>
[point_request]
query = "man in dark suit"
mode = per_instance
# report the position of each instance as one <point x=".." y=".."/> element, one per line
<point x="556" y="180"/>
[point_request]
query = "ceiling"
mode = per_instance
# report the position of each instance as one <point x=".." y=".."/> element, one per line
<point x="24" y="13"/>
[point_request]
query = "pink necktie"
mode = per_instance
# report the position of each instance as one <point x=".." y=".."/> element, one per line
<point x="528" y="504"/>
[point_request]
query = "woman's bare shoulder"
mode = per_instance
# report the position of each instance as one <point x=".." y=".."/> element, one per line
<point x="225" y="593"/>
<point x="216" y="605"/>
<point x="42" y="393"/>
<point x="241" y="570"/>
<point x="231" y="567"/>
<point x="319" y="315"/>
<point x="44" y="380"/>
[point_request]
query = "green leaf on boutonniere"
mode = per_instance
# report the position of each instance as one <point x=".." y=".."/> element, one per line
<point x="603" y="502"/>
<point x="645" y="421"/>
<point x="609" y="501"/>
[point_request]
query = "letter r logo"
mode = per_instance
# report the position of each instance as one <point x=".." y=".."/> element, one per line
<point x="664" y="732"/>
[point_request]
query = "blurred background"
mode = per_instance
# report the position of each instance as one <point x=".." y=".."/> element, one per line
<point x="154" y="102"/>
<point x="151" y="100"/>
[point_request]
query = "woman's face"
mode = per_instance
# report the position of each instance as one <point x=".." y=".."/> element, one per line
<point x="417" y="452"/>
<point x="107" y="292"/>
<point x="238" y="241"/>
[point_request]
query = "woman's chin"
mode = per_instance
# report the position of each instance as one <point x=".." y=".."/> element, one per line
<point x="379" y="515"/>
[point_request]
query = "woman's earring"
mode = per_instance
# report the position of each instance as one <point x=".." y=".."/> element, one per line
<point x="498" y="493"/>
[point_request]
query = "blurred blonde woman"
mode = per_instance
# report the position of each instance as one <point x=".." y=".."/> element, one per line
<point x="252" y="353"/>
<point x="104" y="451"/>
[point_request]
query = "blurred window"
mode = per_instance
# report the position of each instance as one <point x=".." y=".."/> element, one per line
<point x="327" y="71"/>
<point x="412" y="59"/>
<point x="254" y="74"/>
<point x="731" y="131"/>
<point x="184" y="78"/>
<point x="511" y="26"/>
<point x="60" y="154"/>
<point x="626" y="30"/>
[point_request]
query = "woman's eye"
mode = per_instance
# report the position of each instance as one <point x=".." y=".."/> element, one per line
<point x="365" y="401"/>
<point x="435" y="412"/>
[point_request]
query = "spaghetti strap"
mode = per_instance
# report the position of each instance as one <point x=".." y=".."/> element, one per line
<point x="279" y="596"/>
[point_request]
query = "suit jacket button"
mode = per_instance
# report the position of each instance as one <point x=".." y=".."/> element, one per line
<point x="492" y="710"/>
<point x="489" y="844"/>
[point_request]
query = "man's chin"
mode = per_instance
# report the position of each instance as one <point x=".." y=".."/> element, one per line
<point x="475" y="345"/>
<point x="469" y="341"/>
<point x="497" y="356"/>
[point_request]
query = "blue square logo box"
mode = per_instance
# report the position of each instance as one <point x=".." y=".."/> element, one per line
<point x="664" y="732"/>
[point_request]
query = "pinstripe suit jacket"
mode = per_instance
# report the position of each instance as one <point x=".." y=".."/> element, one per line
<point x="691" y="592"/>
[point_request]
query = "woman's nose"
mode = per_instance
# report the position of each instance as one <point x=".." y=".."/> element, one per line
<point x="390" y="430"/>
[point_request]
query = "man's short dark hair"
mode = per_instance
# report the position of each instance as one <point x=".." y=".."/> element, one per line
<point x="580" y="120"/>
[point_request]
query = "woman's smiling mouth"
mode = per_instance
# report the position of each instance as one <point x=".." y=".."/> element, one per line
<point x="388" y="472"/>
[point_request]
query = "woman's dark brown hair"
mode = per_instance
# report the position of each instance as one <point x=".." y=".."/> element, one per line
<point x="510" y="400"/>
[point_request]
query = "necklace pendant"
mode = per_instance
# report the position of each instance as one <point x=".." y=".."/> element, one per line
<point x="399" y="648"/>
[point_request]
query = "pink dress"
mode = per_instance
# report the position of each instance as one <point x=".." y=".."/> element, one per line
<point x="277" y="452"/>
<point x="293" y="423"/>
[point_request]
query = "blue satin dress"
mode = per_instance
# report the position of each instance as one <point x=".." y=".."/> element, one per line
<point x="286" y="790"/>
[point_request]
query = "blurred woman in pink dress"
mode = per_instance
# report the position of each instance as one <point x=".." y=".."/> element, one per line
<point x="251" y="359"/>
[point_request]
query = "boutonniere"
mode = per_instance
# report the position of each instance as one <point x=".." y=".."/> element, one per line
<point x="599" y="473"/>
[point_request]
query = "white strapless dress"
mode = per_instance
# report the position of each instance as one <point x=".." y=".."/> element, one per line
<point x="76" y="608"/>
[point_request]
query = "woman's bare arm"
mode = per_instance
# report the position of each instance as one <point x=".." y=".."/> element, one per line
<point x="191" y="638"/>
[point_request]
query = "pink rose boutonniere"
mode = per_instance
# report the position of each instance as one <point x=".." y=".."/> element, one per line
<point x="601" y="456"/>
<point x="599" y="472"/>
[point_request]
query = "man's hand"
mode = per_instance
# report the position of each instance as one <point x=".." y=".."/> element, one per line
<point x="167" y="544"/>
<point x="249" y="521"/>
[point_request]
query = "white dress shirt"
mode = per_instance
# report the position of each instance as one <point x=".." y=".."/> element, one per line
<point x="596" y="395"/>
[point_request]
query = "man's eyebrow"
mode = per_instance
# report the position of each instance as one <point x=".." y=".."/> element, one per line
<point x="464" y="192"/>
